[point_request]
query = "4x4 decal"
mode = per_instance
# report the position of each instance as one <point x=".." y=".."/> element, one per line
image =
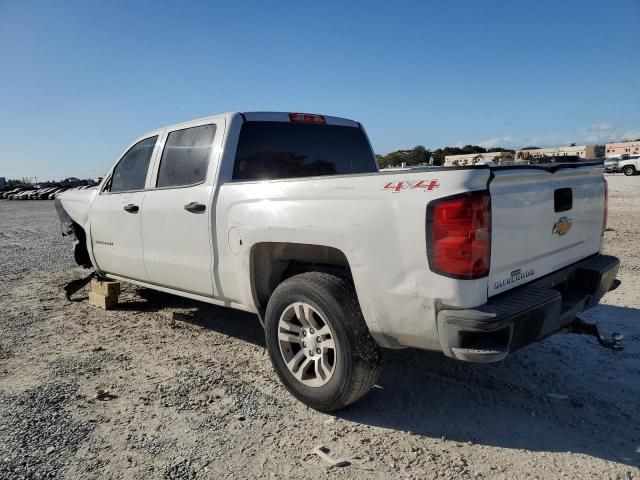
<point x="424" y="185"/>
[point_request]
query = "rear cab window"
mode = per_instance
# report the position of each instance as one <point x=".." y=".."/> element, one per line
<point x="276" y="150"/>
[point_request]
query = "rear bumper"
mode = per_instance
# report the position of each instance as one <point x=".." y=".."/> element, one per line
<point x="527" y="314"/>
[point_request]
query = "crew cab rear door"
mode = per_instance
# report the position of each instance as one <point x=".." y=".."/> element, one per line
<point x="543" y="219"/>
<point x="177" y="215"/>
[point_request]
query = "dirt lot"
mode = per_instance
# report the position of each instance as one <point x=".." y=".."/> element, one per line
<point x="189" y="391"/>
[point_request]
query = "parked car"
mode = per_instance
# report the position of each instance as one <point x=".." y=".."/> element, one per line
<point x="10" y="192"/>
<point x="562" y="159"/>
<point x="24" y="195"/>
<point x="53" y="194"/>
<point x="11" y="195"/>
<point x="43" y="194"/>
<point x="36" y="194"/>
<point x="611" y="165"/>
<point x="287" y="216"/>
<point x="59" y="192"/>
<point x="629" y="166"/>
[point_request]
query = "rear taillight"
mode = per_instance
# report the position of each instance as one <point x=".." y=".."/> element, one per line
<point x="307" y="118"/>
<point x="606" y="206"/>
<point x="459" y="235"/>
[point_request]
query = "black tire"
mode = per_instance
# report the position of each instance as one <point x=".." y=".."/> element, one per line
<point x="358" y="357"/>
<point x="629" y="170"/>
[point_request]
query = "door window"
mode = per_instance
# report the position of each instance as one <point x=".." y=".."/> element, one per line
<point x="131" y="171"/>
<point x="186" y="156"/>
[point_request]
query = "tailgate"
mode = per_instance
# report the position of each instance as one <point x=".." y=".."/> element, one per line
<point x="542" y="220"/>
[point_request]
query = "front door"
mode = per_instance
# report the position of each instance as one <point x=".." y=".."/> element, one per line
<point x="176" y="215"/>
<point x="115" y="214"/>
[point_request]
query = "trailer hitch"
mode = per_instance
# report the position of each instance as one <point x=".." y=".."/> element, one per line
<point x="579" y="327"/>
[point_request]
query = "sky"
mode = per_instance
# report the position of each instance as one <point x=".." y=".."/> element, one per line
<point x="80" y="80"/>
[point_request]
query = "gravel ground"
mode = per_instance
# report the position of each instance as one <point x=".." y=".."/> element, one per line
<point x="164" y="387"/>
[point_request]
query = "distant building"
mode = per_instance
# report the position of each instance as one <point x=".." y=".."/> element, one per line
<point x="584" y="152"/>
<point x="622" y="148"/>
<point x="3" y="184"/>
<point x="495" y="158"/>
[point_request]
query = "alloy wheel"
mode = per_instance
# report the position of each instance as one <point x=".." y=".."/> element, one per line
<point x="307" y="344"/>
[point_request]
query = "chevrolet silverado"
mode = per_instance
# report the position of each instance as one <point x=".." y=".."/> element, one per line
<point x="286" y="215"/>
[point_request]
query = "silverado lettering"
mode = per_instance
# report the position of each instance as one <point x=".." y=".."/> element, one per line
<point x="515" y="277"/>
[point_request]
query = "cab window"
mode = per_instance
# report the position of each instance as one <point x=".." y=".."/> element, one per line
<point x="272" y="150"/>
<point x="131" y="171"/>
<point x="186" y="156"/>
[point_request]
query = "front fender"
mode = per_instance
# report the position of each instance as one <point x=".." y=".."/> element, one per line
<point x="76" y="204"/>
<point x="73" y="209"/>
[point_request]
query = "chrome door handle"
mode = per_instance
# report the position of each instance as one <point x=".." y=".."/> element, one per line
<point x="131" y="208"/>
<point x="195" y="207"/>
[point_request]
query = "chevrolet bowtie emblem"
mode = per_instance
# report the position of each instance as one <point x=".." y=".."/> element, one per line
<point x="562" y="226"/>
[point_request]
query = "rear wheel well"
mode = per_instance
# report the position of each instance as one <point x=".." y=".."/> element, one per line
<point x="274" y="262"/>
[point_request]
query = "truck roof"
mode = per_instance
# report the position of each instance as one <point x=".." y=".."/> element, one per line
<point x="262" y="117"/>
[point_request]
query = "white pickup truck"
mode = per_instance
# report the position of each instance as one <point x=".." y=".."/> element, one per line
<point x="629" y="166"/>
<point x="287" y="216"/>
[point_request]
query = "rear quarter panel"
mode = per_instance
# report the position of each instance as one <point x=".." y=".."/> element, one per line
<point x="381" y="231"/>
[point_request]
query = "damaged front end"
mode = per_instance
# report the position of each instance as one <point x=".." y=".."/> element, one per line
<point x="69" y="227"/>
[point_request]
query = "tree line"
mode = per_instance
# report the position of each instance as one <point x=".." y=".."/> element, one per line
<point x="419" y="155"/>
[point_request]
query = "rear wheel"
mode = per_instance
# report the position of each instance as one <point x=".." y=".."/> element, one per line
<point x="629" y="170"/>
<point x="319" y="343"/>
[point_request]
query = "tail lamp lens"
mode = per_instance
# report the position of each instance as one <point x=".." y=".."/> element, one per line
<point x="459" y="235"/>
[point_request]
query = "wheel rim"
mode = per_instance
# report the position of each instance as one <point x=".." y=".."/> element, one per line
<point x="307" y="344"/>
